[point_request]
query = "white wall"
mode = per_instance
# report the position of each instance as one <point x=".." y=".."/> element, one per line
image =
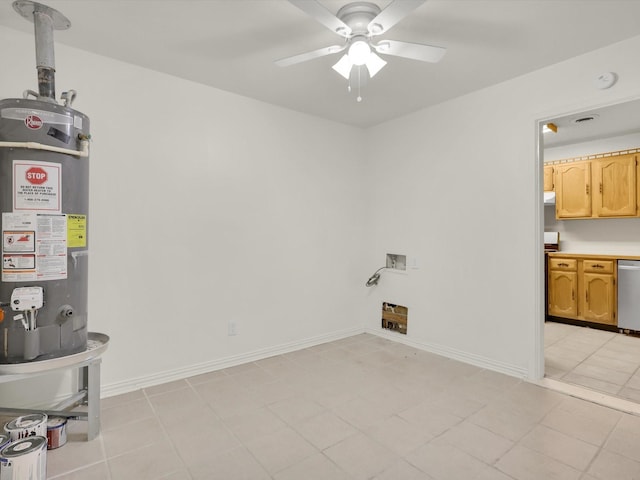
<point x="270" y="217"/>
<point x="207" y="207"/>
<point x="601" y="145"/>
<point x="606" y="236"/>
<point x="457" y="186"/>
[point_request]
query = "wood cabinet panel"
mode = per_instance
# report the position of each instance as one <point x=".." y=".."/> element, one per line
<point x="562" y="293"/>
<point x="548" y="178"/>
<point x="599" y="298"/>
<point x="563" y="264"/>
<point x="597" y="266"/>
<point x="573" y="190"/>
<point x="614" y="182"/>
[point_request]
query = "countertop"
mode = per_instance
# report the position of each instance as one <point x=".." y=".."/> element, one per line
<point x="614" y="256"/>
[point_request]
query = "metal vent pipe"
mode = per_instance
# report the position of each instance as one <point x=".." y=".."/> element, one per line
<point x="45" y="20"/>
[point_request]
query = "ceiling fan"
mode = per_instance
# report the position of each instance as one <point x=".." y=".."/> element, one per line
<point x="358" y="23"/>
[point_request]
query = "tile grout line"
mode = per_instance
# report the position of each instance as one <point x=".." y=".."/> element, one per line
<point x="166" y="434"/>
<point x="83" y="467"/>
<point x="585" y="359"/>
<point x="602" y="446"/>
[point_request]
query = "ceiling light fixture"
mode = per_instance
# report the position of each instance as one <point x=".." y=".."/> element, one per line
<point x="359" y="22"/>
<point x="550" y="127"/>
<point x="359" y="52"/>
<point x="351" y="65"/>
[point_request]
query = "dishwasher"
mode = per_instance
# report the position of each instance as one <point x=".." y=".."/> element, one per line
<point x="629" y="294"/>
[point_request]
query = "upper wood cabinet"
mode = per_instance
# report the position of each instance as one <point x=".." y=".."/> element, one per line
<point x="614" y="182"/>
<point x="548" y="178"/>
<point x="573" y="190"/>
<point x="605" y="187"/>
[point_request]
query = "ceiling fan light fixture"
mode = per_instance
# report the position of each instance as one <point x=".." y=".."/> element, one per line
<point x="359" y="52"/>
<point x="374" y="64"/>
<point x="343" y="66"/>
<point x="550" y="127"/>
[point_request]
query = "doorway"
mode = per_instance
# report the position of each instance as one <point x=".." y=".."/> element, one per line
<point x="579" y="352"/>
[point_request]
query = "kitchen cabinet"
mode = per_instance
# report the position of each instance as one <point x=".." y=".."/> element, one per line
<point x="548" y="178"/>
<point x="598" y="286"/>
<point x="614" y="185"/>
<point x="563" y="287"/>
<point x="603" y="187"/>
<point x="573" y="190"/>
<point x="583" y="289"/>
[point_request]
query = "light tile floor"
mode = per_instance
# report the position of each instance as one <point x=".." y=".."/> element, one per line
<point x="603" y="361"/>
<point x="358" y="408"/>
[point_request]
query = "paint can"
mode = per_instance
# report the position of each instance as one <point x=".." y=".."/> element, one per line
<point x="56" y="432"/>
<point x="25" y="459"/>
<point x="31" y="425"/>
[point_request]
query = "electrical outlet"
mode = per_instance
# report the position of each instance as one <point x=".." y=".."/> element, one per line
<point x="232" y="328"/>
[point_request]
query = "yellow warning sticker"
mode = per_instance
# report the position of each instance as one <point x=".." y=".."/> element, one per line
<point x="76" y="231"/>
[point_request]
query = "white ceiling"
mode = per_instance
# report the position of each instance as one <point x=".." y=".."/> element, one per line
<point x="232" y="44"/>
<point x="597" y="123"/>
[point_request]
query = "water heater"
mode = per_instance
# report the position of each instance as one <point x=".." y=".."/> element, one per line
<point x="44" y="200"/>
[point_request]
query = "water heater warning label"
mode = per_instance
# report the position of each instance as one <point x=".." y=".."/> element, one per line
<point x="18" y="241"/>
<point x="34" y="247"/>
<point x="37" y="186"/>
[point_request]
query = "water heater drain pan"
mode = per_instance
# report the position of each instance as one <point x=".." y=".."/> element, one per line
<point x="97" y="343"/>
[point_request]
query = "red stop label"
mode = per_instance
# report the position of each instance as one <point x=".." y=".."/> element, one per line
<point x="36" y="176"/>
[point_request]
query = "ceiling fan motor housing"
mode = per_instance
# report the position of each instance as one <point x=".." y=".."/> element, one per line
<point x="358" y="15"/>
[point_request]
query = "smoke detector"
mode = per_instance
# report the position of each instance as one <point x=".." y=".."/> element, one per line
<point x="605" y="80"/>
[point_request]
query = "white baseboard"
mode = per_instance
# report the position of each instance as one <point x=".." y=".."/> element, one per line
<point x="466" y="357"/>
<point x="226" y="362"/>
<point x="130" y="385"/>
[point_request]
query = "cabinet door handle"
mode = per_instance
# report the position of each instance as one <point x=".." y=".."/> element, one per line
<point x="587" y="187"/>
<point x="600" y="187"/>
<point x="597" y="265"/>
<point x="573" y="294"/>
<point x="586" y="296"/>
<point x="563" y="264"/>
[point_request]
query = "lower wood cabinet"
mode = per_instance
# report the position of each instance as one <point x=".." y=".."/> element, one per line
<point x="583" y="289"/>
<point x="599" y="286"/>
<point x="563" y="287"/>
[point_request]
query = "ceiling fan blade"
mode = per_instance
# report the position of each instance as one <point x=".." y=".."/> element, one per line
<point x="322" y="15"/>
<point x="303" y="57"/>
<point x="391" y="15"/>
<point x="414" y="51"/>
